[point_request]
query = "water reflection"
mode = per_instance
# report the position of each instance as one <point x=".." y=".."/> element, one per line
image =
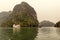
<point x="5" y="34"/>
<point x="25" y="33"/>
<point x="30" y="33"/>
<point x="45" y="30"/>
<point x="58" y="31"/>
<point x="48" y="33"/>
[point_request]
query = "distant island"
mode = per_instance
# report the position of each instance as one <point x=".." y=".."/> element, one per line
<point x="46" y="23"/>
<point x="4" y="16"/>
<point x="57" y="24"/>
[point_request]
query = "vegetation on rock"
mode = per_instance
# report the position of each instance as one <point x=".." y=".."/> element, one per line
<point x="22" y="14"/>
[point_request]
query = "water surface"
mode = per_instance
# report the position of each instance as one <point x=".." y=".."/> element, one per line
<point x="48" y="33"/>
<point x="25" y="33"/>
<point x="30" y="33"/>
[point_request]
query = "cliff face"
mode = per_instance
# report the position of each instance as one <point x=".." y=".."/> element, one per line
<point x="22" y="14"/>
<point x="25" y="8"/>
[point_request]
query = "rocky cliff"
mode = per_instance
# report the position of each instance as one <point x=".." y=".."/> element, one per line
<point x="25" y="8"/>
<point x="22" y="14"/>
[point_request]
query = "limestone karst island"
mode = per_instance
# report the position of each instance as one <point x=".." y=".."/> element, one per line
<point x="22" y="21"/>
<point x="22" y="14"/>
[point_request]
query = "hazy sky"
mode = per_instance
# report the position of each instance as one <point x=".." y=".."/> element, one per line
<point x="45" y="9"/>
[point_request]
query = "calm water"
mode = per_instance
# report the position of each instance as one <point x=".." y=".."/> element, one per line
<point x="48" y="33"/>
<point x="25" y="33"/>
<point x="44" y="33"/>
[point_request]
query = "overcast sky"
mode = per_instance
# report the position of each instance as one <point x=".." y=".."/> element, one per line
<point x="45" y="9"/>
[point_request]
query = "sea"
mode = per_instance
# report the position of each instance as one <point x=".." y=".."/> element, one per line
<point x="43" y="33"/>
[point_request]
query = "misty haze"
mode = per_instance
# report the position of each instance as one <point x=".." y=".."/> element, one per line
<point x="29" y="19"/>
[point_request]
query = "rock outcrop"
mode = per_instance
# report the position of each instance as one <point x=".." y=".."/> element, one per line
<point x="22" y="14"/>
<point x="25" y="8"/>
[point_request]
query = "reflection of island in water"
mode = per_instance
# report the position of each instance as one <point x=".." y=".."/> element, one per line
<point x="30" y="33"/>
<point x="25" y="33"/>
<point x="48" y="33"/>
